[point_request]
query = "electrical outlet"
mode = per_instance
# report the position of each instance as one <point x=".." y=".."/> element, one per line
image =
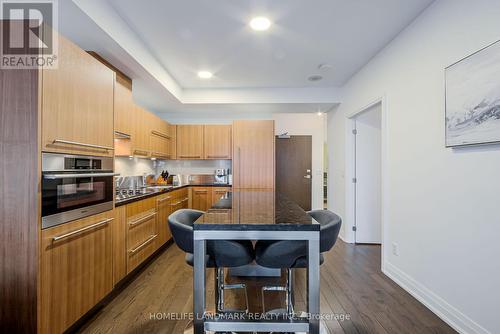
<point x="395" y="249"/>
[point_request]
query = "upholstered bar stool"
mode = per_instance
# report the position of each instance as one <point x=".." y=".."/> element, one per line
<point x="293" y="254"/>
<point x="220" y="254"/>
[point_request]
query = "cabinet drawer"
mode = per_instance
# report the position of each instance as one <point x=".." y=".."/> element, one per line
<point x="76" y="270"/>
<point x="141" y="235"/>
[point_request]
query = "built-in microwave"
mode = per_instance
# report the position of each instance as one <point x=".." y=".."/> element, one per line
<point x="75" y="187"/>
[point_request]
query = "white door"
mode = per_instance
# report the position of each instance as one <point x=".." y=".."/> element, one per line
<point x="368" y="176"/>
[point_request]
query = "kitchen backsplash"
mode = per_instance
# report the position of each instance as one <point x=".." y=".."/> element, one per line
<point x="137" y="166"/>
<point x="134" y="166"/>
<point x="193" y="166"/>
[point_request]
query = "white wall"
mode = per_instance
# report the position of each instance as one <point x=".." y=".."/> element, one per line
<point x="442" y="205"/>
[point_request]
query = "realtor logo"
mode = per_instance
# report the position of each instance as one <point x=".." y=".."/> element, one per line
<point x="28" y="31"/>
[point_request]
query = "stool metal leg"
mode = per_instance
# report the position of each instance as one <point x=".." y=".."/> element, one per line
<point x="288" y="289"/>
<point x="223" y="286"/>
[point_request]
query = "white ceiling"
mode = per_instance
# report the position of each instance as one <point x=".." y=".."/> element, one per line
<point x="188" y="36"/>
<point x="162" y="44"/>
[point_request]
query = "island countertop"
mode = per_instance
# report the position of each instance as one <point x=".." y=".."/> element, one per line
<point x="257" y="210"/>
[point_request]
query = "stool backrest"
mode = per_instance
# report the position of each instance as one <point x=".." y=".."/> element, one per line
<point x="330" y="228"/>
<point x="181" y="226"/>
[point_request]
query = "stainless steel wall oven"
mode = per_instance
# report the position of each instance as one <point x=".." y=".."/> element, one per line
<point x="75" y="187"/>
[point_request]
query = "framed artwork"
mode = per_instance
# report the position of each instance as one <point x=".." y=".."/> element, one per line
<point x="473" y="99"/>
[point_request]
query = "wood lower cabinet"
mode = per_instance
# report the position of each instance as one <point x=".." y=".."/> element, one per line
<point x="217" y="193"/>
<point x="254" y="157"/>
<point x="201" y="198"/>
<point x="189" y="141"/>
<point x="119" y="227"/>
<point x="217" y="142"/>
<point x="76" y="270"/>
<point x="180" y="199"/>
<point x="142" y="232"/>
<point x="77" y="104"/>
<point x="163" y="209"/>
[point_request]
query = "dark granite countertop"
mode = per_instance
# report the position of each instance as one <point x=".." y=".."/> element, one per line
<point x="152" y="191"/>
<point x="261" y="210"/>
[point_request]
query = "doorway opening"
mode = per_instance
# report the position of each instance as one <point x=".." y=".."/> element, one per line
<point x="367" y="133"/>
<point x="293" y="169"/>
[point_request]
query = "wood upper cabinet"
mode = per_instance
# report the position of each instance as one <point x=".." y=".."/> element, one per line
<point x="76" y="270"/>
<point x="254" y="158"/>
<point x="217" y="143"/>
<point x="201" y="198"/>
<point x="141" y="132"/>
<point x="124" y="105"/>
<point x="189" y="141"/>
<point x="77" y="104"/>
<point x="160" y="139"/>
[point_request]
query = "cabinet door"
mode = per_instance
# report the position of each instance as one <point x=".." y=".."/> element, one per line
<point x="124" y="106"/>
<point x="202" y="198"/>
<point x="76" y="270"/>
<point x="141" y="132"/>
<point x="217" y="193"/>
<point x="119" y="244"/>
<point x="189" y="141"/>
<point x="77" y="104"/>
<point x="163" y="210"/>
<point x="161" y="140"/>
<point x="217" y="142"/>
<point x="253" y="149"/>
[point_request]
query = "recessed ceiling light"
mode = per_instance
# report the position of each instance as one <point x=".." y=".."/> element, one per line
<point x="324" y="67"/>
<point x="260" y="23"/>
<point x="319" y="113"/>
<point x="315" y="78"/>
<point x="205" y="74"/>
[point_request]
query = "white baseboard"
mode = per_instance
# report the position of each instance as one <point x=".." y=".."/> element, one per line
<point x="344" y="239"/>
<point x="453" y="317"/>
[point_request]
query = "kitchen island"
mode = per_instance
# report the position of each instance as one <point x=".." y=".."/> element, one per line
<point x="256" y="215"/>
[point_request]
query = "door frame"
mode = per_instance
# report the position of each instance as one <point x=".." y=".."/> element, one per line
<point x="351" y="172"/>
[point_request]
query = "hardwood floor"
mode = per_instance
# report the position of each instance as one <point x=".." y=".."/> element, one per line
<point x="352" y="288"/>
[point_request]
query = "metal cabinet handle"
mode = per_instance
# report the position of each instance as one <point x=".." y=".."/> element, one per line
<point x="161" y="155"/>
<point x="151" y="238"/>
<point x="161" y="200"/>
<point x="307" y="176"/>
<point x="159" y="134"/>
<point x="77" y="176"/>
<point x="61" y="141"/>
<point x="189" y="156"/>
<point x="179" y="202"/>
<point x="142" y="219"/>
<point x="81" y="230"/>
<point x="141" y="152"/>
<point x="218" y="156"/>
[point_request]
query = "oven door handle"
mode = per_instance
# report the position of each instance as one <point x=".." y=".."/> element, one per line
<point x="77" y="176"/>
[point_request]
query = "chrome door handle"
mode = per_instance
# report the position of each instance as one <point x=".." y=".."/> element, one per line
<point x="86" y="228"/>
<point x="60" y="141"/>
<point x="77" y="176"/>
